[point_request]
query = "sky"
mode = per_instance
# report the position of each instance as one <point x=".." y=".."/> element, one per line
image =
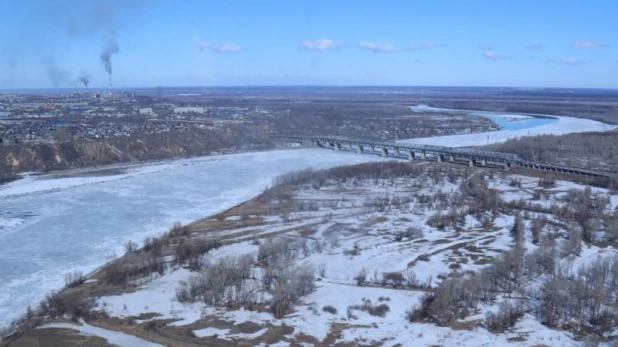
<point x="549" y="43"/>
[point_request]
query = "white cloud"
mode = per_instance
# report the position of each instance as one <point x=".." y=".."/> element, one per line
<point x="219" y="48"/>
<point x="491" y="55"/>
<point x="426" y="45"/>
<point x="573" y="61"/>
<point x="320" y="45"/>
<point x="376" y="47"/>
<point x="588" y="44"/>
<point x="534" y="46"/>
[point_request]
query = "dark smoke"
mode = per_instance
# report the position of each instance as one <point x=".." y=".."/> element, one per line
<point x="57" y="75"/>
<point x="110" y="49"/>
<point x="84" y="77"/>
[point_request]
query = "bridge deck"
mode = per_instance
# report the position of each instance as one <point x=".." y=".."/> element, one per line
<point x="463" y="153"/>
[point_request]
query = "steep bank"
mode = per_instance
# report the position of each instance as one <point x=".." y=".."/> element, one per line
<point x="74" y="154"/>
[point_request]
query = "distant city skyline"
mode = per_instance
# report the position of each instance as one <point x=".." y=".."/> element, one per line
<point x="145" y="43"/>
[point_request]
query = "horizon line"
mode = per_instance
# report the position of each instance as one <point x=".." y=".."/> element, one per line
<point x="299" y="86"/>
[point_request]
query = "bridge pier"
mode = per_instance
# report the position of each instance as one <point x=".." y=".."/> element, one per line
<point x="439" y="158"/>
<point x="360" y="149"/>
<point x="451" y="158"/>
<point x="471" y="162"/>
<point x="423" y="155"/>
<point x="411" y="156"/>
<point x="483" y="162"/>
<point x="384" y="152"/>
<point x="337" y="146"/>
<point x="507" y="166"/>
<point x="396" y="152"/>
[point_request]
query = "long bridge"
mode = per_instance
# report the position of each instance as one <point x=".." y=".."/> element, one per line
<point x="413" y="152"/>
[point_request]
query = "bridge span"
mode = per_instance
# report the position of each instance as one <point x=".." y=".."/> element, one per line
<point x="412" y="152"/>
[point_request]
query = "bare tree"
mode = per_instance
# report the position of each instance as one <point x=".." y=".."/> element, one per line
<point x="361" y="277"/>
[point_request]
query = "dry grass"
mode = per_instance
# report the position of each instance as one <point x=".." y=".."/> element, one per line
<point x="56" y="337"/>
<point x="218" y="224"/>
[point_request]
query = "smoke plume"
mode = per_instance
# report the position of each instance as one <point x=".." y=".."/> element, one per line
<point x="84" y="77"/>
<point x="57" y="75"/>
<point x="110" y="49"/>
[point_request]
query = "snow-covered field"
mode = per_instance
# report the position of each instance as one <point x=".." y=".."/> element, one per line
<point x="358" y="237"/>
<point x="564" y="125"/>
<point x="51" y="226"/>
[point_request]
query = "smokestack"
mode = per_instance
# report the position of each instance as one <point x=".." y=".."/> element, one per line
<point x="110" y="49"/>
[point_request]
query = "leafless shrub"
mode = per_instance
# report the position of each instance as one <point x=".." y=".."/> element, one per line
<point x="154" y="244"/>
<point x="454" y="218"/>
<point x="411" y="279"/>
<point x="132" y="266"/>
<point x="537" y="227"/>
<point x="519" y="231"/>
<point x="318" y="246"/>
<point x="182" y="293"/>
<point x="322" y="270"/>
<point x="290" y="285"/>
<point x="584" y="300"/>
<point x="74" y="279"/>
<point x="75" y="305"/>
<point x="192" y="251"/>
<point x="178" y="230"/>
<point x="515" y="183"/>
<point x="221" y="282"/>
<point x="505" y="318"/>
<point x="130" y="247"/>
<point x="361" y="277"/>
<point x="421" y="312"/>
<point x="352" y="252"/>
<point x="392" y="278"/>
<point x="547" y="182"/>
<point x="410" y="233"/>
<point x="379" y="310"/>
<point x="274" y="250"/>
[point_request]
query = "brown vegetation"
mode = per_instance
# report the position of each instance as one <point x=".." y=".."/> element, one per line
<point x="593" y="150"/>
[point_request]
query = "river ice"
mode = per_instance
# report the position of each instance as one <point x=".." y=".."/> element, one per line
<point x="559" y="125"/>
<point x="51" y="226"/>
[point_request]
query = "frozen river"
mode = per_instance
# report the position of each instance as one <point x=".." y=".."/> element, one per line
<point x="512" y="126"/>
<point x="51" y="225"/>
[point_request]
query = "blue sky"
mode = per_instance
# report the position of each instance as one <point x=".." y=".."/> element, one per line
<point x="46" y="43"/>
